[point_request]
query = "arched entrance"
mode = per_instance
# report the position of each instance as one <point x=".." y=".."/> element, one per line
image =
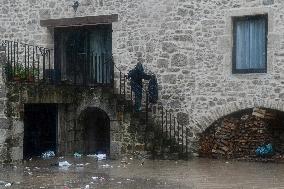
<point x="96" y="137"/>
<point x="240" y="134"/>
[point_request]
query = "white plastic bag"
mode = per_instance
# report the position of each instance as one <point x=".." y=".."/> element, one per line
<point x="64" y="164"/>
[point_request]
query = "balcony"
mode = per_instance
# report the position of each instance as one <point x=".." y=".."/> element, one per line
<point x="31" y="64"/>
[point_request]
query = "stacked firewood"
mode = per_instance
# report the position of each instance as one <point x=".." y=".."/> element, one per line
<point x="238" y="137"/>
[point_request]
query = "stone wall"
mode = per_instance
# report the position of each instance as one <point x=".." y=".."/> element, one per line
<point x="71" y="103"/>
<point x="188" y="44"/>
<point x="5" y="122"/>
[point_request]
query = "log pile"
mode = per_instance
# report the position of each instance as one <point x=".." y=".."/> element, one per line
<point x="264" y="114"/>
<point x="239" y="136"/>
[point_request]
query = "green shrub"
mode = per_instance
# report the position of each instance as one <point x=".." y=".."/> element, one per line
<point x="18" y="71"/>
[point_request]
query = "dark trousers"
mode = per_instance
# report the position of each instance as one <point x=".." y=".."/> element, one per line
<point x="137" y="89"/>
<point x="138" y="102"/>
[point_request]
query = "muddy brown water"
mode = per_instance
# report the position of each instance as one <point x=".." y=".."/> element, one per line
<point x="196" y="173"/>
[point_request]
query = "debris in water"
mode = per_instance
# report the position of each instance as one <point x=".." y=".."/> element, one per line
<point x="64" y="164"/>
<point x="95" y="178"/>
<point x="265" y="150"/>
<point x="3" y="183"/>
<point x="8" y="185"/>
<point x="124" y="160"/>
<point x="77" y="155"/>
<point x="101" y="156"/>
<point x="98" y="156"/>
<point x="98" y="178"/>
<point x="48" y="154"/>
<point x="107" y="166"/>
<point x="92" y="155"/>
<point x="102" y="178"/>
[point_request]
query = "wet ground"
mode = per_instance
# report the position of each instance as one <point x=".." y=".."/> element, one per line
<point x="130" y="174"/>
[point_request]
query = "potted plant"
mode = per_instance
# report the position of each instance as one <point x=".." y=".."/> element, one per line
<point x="20" y="73"/>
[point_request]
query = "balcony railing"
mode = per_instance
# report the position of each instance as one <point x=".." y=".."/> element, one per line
<point x="33" y="64"/>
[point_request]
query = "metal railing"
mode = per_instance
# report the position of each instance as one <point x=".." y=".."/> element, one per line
<point x="33" y="64"/>
<point x="167" y="124"/>
<point x="26" y="62"/>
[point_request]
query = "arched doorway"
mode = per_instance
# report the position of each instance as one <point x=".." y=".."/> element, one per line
<point x="240" y="134"/>
<point x="96" y="135"/>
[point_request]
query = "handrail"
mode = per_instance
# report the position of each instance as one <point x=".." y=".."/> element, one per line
<point x="169" y="122"/>
<point x="3" y="42"/>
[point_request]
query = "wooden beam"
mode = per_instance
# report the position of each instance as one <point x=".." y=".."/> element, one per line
<point x="79" y="21"/>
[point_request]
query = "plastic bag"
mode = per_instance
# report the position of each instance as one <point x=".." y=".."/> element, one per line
<point x="265" y="150"/>
<point x="77" y="155"/>
<point x="64" y="164"/>
<point x="48" y="154"/>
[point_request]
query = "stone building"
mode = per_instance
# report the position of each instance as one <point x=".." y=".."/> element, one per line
<point x="211" y="58"/>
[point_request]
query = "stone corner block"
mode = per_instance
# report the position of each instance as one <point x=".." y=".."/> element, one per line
<point x="115" y="150"/>
<point x="17" y="153"/>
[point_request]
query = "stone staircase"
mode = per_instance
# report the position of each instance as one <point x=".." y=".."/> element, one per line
<point x="156" y="129"/>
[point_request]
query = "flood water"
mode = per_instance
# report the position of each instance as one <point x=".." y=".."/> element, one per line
<point x="130" y="174"/>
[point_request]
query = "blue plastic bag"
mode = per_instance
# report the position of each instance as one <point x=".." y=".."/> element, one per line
<point x="265" y="150"/>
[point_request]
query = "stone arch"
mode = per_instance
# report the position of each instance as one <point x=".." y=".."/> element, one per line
<point x="241" y="133"/>
<point x="95" y="125"/>
<point x="108" y="105"/>
<point x="204" y="121"/>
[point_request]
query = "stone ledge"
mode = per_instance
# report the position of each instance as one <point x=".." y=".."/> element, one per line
<point x="79" y="21"/>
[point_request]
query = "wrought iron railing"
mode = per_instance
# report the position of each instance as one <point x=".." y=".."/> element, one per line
<point x="27" y="63"/>
<point x="167" y="126"/>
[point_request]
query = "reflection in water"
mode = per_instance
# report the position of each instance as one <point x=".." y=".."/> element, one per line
<point x="87" y="172"/>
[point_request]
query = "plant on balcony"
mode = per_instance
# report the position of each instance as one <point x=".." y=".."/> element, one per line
<point x="19" y="73"/>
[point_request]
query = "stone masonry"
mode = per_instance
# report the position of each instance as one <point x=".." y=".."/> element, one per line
<point x="187" y="43"/>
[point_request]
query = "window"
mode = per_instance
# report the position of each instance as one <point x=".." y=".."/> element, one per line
<point x="250" y="44"/>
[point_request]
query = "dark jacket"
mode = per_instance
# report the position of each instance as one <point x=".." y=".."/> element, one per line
<point x="137" y="74"/>
<point x="153" y="90"/>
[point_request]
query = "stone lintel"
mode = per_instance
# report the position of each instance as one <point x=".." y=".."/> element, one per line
<point x="79" y="21"/>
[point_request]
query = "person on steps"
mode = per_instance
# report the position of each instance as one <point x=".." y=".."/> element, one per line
<point x="136" y="77"/>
